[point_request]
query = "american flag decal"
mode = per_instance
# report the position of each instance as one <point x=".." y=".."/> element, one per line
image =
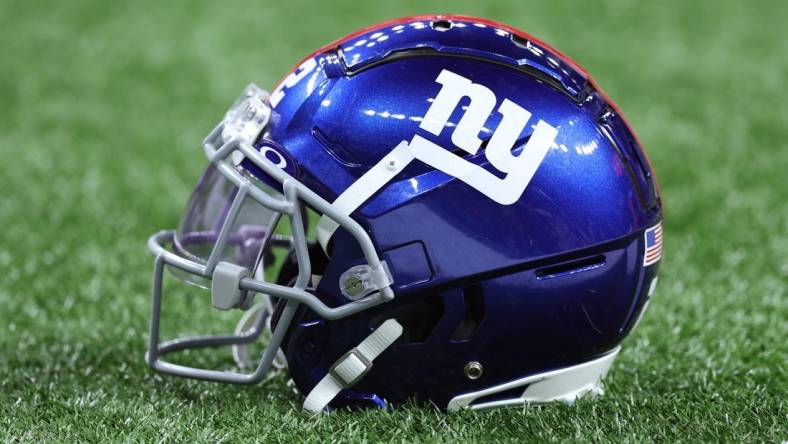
<point x="653" y="245"/>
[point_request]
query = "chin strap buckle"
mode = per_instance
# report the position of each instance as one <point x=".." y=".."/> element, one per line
<point x="349" y="369"/>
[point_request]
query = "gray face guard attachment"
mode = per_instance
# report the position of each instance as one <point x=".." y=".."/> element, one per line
<point x="221" y="242"/>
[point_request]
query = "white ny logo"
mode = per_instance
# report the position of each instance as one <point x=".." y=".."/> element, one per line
<point x="519" y="169"/>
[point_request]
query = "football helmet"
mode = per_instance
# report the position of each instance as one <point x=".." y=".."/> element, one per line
<point x="472" y="223"/>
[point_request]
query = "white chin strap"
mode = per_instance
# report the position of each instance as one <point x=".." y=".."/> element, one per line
<point x="352" y="366"/>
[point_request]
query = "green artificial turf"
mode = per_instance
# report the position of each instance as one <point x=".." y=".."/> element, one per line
<point x="102" y="108"/>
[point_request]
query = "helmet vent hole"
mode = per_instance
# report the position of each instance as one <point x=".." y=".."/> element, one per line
<point x="473" y="297"/>
<point x="512" y="393"/>
<point x="568" y="268"/>
<point x="441" y="25"/>
<point x="520" y="41"/>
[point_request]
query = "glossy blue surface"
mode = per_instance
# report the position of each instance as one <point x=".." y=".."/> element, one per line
<point x="590" y="200"/>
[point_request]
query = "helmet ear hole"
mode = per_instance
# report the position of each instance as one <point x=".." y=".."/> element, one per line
<point x="473" y="297"/>
<point x="418" y="319"/>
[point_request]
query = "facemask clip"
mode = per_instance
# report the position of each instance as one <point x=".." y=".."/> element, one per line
<point x="247" y="116"/>
<point x="362" y="280"/>
<point x="225" y="287"/>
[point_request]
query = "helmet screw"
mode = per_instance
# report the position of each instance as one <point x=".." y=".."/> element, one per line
<point x="353" y="285"/>
<point x="391" y="164"/>
<point x="473" y="370"/>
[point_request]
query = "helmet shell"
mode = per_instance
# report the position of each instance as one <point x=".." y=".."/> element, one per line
<point x="554" y="279"/>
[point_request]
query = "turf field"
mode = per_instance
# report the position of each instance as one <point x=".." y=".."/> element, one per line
<point x="102" y="108"/>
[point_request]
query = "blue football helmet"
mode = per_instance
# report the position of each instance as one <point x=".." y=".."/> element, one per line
<point x="472" y="223"/>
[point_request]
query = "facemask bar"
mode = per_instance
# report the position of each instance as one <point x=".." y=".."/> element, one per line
<point x="294" y="194"/>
